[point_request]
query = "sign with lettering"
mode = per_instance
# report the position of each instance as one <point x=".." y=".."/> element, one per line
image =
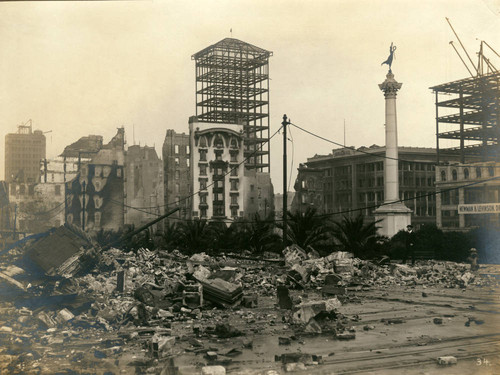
<point x="482" y="208"/>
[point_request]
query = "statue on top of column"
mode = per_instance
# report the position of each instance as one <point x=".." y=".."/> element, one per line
<point x="389" y="59"/>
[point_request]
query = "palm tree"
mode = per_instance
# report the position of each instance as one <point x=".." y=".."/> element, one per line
<point x="306" y="228"/>
<point x="259" y="236"/>
<point x="170" y="235"/>
<point x="355" y="236"/>
<point x="193" y="235"/>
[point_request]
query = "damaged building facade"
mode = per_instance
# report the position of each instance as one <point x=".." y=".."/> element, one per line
<point x="95" y="198"/>
<point x="143" y="185"/>
<point x="176" y="152"/>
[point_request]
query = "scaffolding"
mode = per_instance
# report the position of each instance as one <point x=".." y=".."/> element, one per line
<point x="475" y="115"/>
<point x="232" y="87"/>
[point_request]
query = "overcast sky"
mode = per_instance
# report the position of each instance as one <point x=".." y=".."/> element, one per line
<point x="80" y="68"/>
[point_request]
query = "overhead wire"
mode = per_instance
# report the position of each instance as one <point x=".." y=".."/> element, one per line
<point x="383" y="155"/>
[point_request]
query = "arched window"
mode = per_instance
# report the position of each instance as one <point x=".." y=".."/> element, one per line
<point x="466" y="173"/>
<point x="443" y="175"/>
<point x="454" y="175"/>
<point x="218" y="142"/>
<point x="234" y="143"/>
<point x="203" y="142"/>
<point x="491" y="171"/>
<point x="478" y="172"/>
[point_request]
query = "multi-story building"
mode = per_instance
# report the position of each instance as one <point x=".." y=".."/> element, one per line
<point x="232" y="87"/>
<point x="228" y="138"/>
<point x="217" y="171"/>
<point x="469" y="191"/>
<point x="465" y="193"/>
<point x="143" y="185"/>
<point x="351" y="181"/>
<point x="23" y="152"/>
<point x="177" y="173"/>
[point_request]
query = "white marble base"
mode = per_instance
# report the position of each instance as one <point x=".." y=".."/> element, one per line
<point x="395" y="216"/>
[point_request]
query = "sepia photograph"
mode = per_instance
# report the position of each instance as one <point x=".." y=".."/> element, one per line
<point x="212" y="187"/>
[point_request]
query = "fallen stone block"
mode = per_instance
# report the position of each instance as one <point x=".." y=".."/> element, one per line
<point x="250" y="301"/>
<point x="392" y="320"/>
<point x="294" y="254"/>
<point x="161" y="346"/>
<point x="221" y="292"/>
<point x="201" y="273"/>
<point x="226" y="331"/>
<point x="332" y="304"/>
<point x="211" y="355"/>
<point x="192" y="295"/>
<point x="447" y="360"/>
<point x="213" y="370"/>
<point x="298" y="357"/>
<point x="120" y="281"/>
<point x="345" y="336"/>
<point x="368" y="327"/>
<point x="46" y="319"/>
<point x="305" y="311"/>
<point x="64" y="316"/>
<point x="284" y="341"/>
<point x="284" y="300"/>
<point x="313" y="327"/>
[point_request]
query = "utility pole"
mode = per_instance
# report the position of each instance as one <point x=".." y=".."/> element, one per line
<point x="15" y="219"/>
<point x="285" y="193"/>
<point x="83" y="206"/>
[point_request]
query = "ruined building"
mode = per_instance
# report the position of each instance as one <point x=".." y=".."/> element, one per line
<point x="176" y="152"/>
<point x="95" y="198"/>
<point x="143" y="185"/>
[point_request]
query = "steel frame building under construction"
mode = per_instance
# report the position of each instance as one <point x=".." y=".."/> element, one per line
<point x="476" y="105"/>
<point x="232" y="87"/>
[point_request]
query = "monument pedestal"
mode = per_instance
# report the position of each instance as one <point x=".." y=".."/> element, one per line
<point x="393" y="213"/>
<point x="394" y="216"/>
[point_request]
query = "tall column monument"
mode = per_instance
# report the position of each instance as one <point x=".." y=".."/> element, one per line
<point x="394" y="215"/>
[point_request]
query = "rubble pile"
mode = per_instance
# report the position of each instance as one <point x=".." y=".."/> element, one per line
<point x="163" y="304"/>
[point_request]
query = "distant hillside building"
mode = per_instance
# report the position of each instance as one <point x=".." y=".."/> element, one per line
<point x="349" y="182"/>
<point x="176" y="152"/>
<point x="23" y="152"/>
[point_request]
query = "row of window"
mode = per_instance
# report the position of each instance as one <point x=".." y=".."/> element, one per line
<point x="218" y="142"/>
<point x="177" y="149"/>
<point x="466" y="173"/>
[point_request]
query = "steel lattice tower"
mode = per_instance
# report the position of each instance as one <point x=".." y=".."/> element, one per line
<point x="232" y="87"/>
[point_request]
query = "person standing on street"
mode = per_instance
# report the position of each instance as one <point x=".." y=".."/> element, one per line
<point x="410" y="244"/>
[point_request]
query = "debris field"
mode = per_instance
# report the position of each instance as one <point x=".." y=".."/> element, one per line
<point x="92" y="310"/>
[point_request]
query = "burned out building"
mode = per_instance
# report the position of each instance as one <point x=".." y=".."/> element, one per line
<point x="143" y="185"/>
<point x="95" y="197"/>
<point x="176" y="152"/>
